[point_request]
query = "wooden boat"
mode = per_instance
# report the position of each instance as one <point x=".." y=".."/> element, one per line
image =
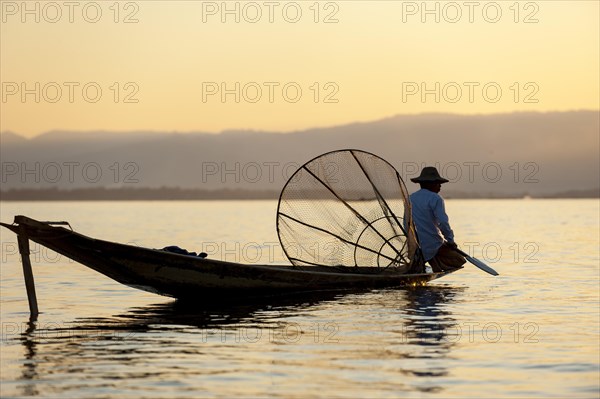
<point x="190" y="277"/>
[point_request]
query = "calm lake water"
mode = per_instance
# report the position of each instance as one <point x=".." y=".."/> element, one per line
<point x="531" y="332"/>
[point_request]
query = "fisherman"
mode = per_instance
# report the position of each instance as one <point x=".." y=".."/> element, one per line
<point x="431" y="221"/>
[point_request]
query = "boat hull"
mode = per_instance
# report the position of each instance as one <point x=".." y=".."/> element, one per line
<point x="190" y="277"/>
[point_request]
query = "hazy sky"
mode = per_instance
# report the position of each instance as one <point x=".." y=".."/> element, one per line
<point x="190" y="65"/>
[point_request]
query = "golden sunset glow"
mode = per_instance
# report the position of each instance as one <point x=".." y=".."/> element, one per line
<point x="190" y="66"/>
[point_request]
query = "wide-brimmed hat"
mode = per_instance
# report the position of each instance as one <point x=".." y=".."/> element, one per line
<point x="429" y="174"/>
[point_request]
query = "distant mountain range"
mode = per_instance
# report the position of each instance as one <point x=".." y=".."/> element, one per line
<point x="495" y="155"/>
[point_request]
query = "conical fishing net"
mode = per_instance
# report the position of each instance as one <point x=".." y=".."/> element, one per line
<point x="347" y="208"/>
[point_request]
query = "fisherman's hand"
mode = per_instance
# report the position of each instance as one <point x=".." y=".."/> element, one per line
<point x="452" y="244"/>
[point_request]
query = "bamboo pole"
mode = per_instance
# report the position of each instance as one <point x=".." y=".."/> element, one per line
<point x="23" y="241"/>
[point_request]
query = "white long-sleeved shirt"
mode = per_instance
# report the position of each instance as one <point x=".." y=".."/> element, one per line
<point x="431" y="221"/>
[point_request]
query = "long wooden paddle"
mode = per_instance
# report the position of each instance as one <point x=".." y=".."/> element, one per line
<point x="477" y="263"/>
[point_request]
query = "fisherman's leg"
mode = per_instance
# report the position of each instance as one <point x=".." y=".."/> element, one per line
<point x="450" y="258"/>
<point x="435" y="264"/>
<point x="446" y="259"/>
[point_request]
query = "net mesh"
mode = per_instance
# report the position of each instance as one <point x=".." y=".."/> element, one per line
<point x="347" y="208"/>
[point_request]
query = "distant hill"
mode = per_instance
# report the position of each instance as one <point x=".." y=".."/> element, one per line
<point x="499" y="154"/>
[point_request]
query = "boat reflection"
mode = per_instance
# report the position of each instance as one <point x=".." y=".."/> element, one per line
<point x="139" y="342"/>
<point x="29" y="371"/>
